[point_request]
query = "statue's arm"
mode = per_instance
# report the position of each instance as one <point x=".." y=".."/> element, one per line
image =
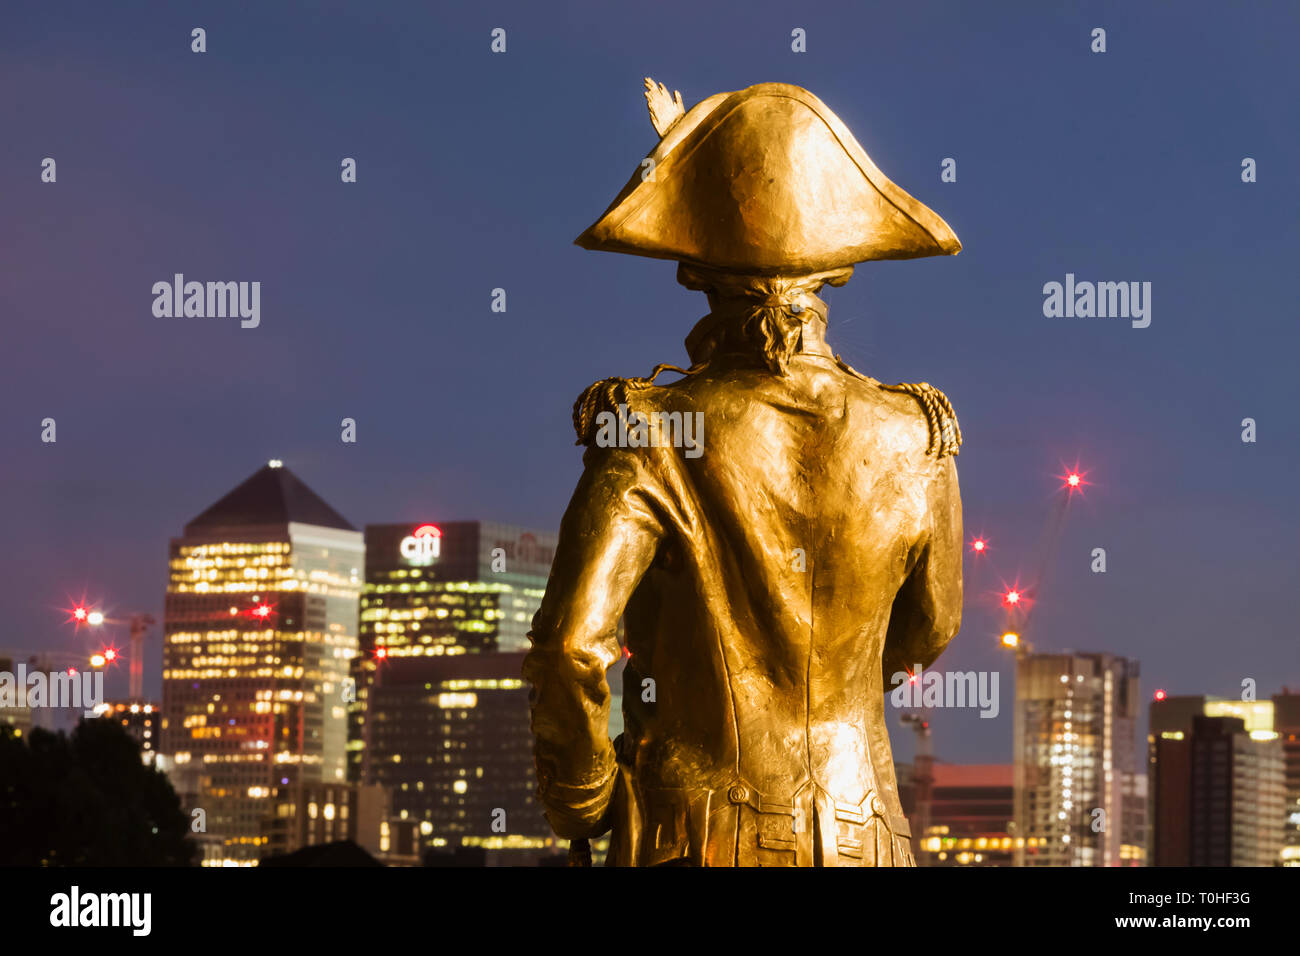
<point x="927" y="609"/>
<point x="608" y="539"/>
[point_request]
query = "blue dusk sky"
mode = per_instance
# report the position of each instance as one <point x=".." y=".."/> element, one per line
<point x="477" y="170"/>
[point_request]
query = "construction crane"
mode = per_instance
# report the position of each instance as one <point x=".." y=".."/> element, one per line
<point x="922" y="774"/>
<point x="140" y="624"/>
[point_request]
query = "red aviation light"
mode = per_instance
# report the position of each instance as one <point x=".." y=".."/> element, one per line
<point x="1074" y="479"/>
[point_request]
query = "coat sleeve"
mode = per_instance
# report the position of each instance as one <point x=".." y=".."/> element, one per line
<point x="927" y="609"/>
<point x="608" y="538"/>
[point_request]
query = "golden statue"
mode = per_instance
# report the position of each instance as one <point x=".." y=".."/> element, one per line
<point x="778" y="532"/>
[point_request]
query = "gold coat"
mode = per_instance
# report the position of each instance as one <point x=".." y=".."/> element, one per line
<point x="769" y="587"/>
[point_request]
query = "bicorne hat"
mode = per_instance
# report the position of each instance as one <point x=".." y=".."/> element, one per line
<point x="765" y="181"/>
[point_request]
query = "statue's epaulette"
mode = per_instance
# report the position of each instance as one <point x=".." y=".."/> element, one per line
<point x="606" y="395"/>
<point x="945" y="433"/>
<point x="603" y="396"/>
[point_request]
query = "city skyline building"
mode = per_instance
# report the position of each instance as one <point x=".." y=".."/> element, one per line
<point x="1079" y="797"/>
<point x="142" y="720"/>
<point x="260" y="627"/>
<point x="443" y="588"/>
<point x="1286" y="721"/>
<point x="440" y="716"/>
<point x="449" y="739"/>
<point x="18" y="717"/>
<point x="311" y="814"/>
<point x="1221" y="781"/>
<point x="971" y="812"/>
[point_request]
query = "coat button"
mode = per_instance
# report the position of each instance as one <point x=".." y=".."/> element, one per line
<point x="738" y="794"/>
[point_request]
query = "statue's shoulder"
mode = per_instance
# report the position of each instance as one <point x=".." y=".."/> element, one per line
<point x="941" y="420"/>
<point x="617" y="395"/>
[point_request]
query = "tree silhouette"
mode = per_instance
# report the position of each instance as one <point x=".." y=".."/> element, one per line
<point x="87" y="800"/>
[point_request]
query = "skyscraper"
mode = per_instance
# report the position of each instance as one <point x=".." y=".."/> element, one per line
<point x="1218" y="796"/>
<point x="441" y="709"/>
<point x="452" y="587"/>
<point x="259" y="632"/>
<point x="449" y="738"/>
<point x="445" y="589"/>
<point x="1219" y="791"/>
<point x="1078" y="795"/>
<point x="1287" y="724"/>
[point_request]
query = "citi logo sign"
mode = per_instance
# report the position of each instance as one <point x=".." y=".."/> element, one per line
<point x="423" y="545"/>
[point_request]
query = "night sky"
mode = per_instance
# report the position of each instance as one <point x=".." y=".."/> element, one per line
<point x="477" y="171"/>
